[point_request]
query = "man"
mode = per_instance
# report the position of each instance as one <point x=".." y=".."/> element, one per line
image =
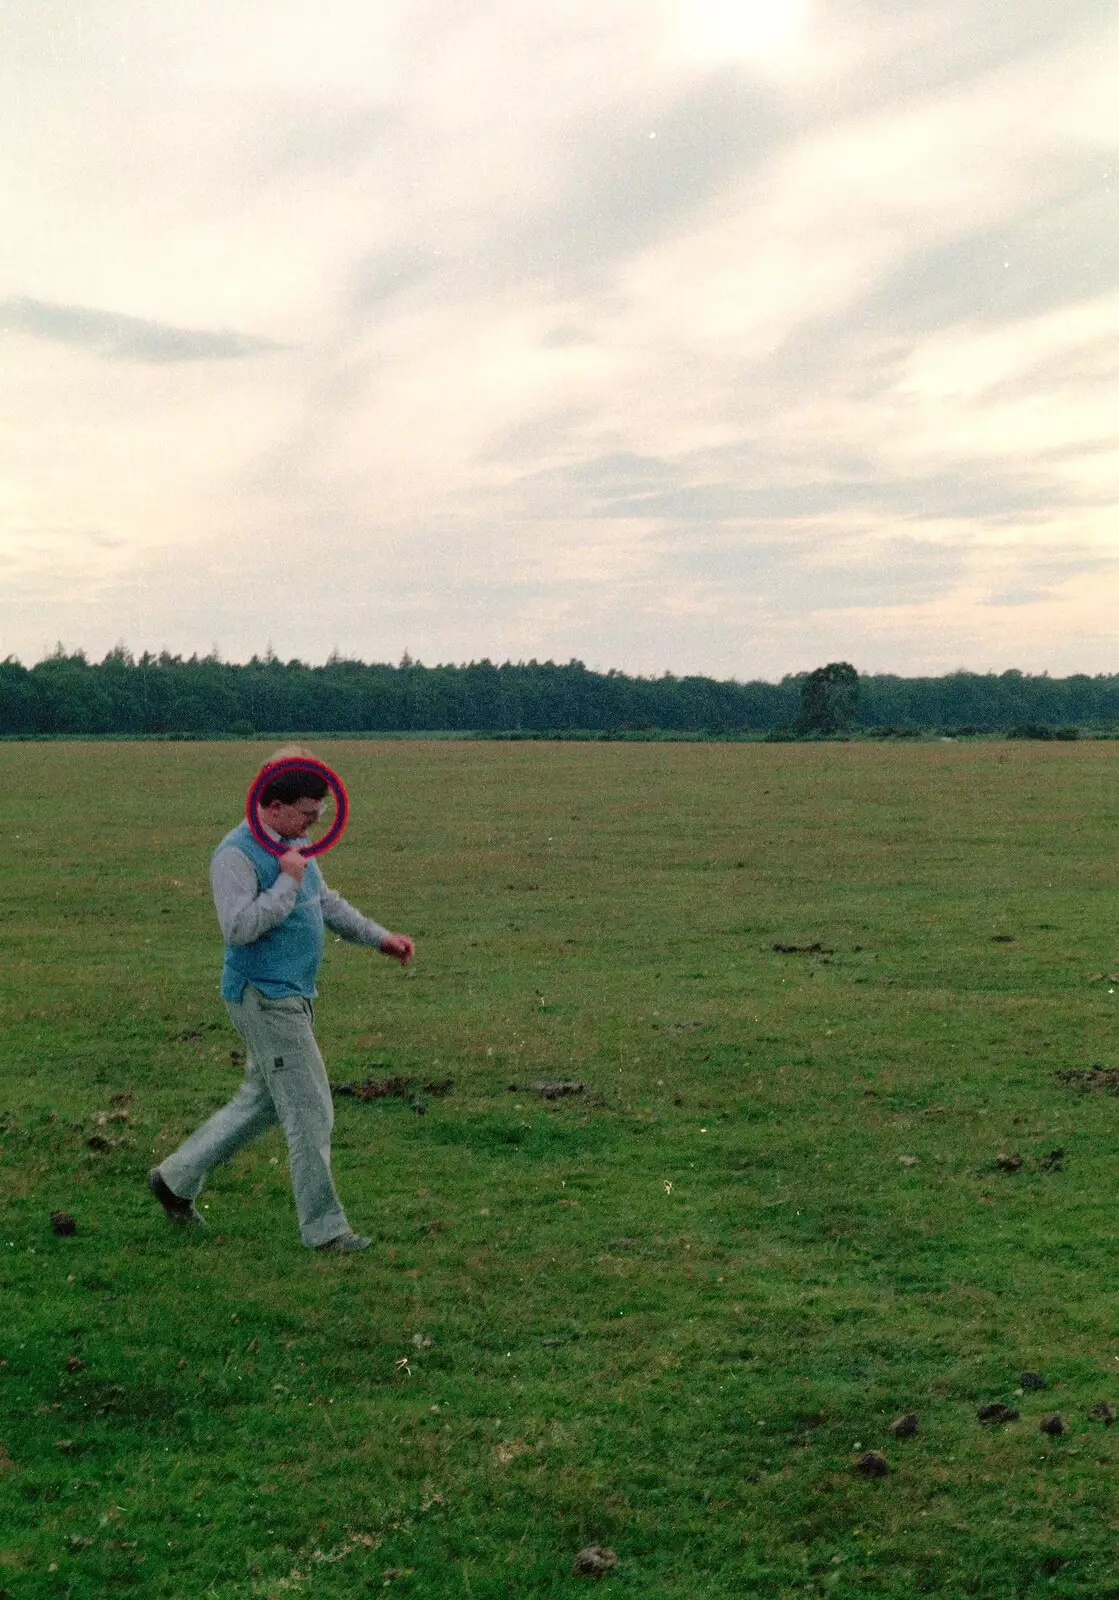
<point x="272" y="912"/>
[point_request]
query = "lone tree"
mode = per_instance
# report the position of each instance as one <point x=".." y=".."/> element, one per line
<point x="828" y="698"/>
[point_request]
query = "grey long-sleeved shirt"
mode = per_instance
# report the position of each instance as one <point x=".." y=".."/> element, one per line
<point x="247" y="913"/>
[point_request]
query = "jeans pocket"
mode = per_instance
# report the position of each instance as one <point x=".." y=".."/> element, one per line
<point x="286" y="1005"/>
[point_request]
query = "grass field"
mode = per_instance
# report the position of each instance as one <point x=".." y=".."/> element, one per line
<point x="664" y="1315"/>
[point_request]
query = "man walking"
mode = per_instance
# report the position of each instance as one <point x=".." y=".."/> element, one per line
<point x="272" y="913"/>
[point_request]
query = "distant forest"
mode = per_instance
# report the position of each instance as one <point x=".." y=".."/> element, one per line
<point x="165" y="695"/>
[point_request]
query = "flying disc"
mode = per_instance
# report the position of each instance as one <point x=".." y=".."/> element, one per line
<point x="297" y="764"/>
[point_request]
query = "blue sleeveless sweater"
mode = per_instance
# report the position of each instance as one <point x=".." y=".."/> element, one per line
<point x="285" y="960"/>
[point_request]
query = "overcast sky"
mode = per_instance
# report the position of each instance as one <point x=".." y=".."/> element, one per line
<point x="722" y="336"/>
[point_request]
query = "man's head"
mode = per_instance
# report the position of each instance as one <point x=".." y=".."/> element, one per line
<point x="292" y="801"/>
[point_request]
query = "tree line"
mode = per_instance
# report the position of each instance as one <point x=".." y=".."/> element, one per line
<point x="199" y="696"/>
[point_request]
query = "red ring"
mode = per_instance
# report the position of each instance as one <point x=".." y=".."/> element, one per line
<point x="297" y="764"/>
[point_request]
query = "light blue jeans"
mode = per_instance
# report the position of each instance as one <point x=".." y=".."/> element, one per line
<point x="285" y="1082"/>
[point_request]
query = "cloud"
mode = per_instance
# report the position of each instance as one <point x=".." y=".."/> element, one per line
<point x="117" y="337"/>
<point x="1018" y="595"/>
<point x="772" y="488"/>
<point x="922" y="497"/>
<point x="385" y="274"/>
<point x="821" y="573"/>
<point x="634" y="177"/>
<point x="1050" y="255"/>
<point x="301" y="136"/>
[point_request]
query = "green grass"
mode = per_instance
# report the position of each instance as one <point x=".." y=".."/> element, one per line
<point x="663" y="1315"/>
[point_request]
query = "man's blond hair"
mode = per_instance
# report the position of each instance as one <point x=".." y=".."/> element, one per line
<point x="291" y="752"/>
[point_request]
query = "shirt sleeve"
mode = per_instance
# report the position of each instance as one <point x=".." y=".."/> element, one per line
<point x="347" y="921"/>
<point x="245" y="912"/>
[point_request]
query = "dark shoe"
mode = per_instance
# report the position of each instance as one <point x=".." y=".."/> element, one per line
<point x="178" y="1210"/>
<point x="345" y="1242"/>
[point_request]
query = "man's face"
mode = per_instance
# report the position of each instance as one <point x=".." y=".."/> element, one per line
<point x="291" y="820"/>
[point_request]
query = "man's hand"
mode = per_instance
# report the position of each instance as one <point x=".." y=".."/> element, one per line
<point x="399" y="946"/>
<point x="293" y="864"/>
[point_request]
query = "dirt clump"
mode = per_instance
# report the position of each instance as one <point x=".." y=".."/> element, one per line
<point x="555" y="1089"/>
<point x="996" y="1412"/>
<point x="594" y="1562"/>
<point x="1090" y="1079"/>
<point x="374" y="1089"/>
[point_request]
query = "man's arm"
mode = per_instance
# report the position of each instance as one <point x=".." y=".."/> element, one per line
<point x="348" y="923"/>
<point x="245" y="913"/>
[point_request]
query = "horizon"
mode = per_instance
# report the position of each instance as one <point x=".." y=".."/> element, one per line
<point x="213" y="656"/>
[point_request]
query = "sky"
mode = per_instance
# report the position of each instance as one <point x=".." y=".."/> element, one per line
<point x="716" y="336"/>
